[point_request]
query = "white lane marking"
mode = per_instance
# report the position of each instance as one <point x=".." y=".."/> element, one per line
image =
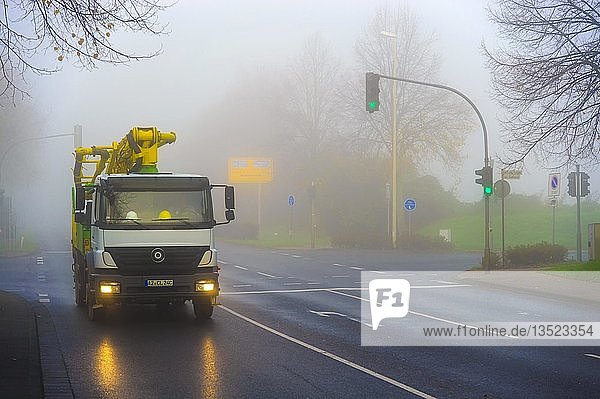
<point x="223" y="262"/>
<point x="356" y="268"/>
<point x="57" y="252"/>
<point x="267" y="275"/>
<point x="44" y="300"/>
<point x="240" y="267"/>
<point x="292" y="283"/>
<point x="39" y="260"/>
<point x="13" y="289"/>
<point x="339" y="264"/>
<point x="42" y="295"/>
<point x="328" y="314"/>
<point x="241" y="285"/>
<point x="296" y="256"/>
<point x="313" y="283"/>
<point x="331" y="289"/>
<point x="377" y="271"/>
<point x="330" y="355"/>
<point x="290" y="291"/>
<point x="443" y="282"/>
<point x="284" y="254"/>
<point x="417" y="313"/>
<point x="339" y="276"/>
<point x="591" y="355"/>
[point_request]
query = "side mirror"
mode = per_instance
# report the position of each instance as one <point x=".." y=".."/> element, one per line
<point x="79" y="217"/>
<point x="88" y="214"/>
<point x="229" y="215"/>
<point x="229" y="199"/>
<point x="79" y="198"/>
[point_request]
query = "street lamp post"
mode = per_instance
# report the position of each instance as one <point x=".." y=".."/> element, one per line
<point x="394" y="38"/>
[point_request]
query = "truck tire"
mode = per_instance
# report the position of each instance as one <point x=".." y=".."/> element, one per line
<point x="79" y="294"/>
<point x="203" y="309"/>
<point x="93" y="313"/>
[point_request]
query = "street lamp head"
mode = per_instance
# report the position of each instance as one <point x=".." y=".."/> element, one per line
<point x="388" y="34"/>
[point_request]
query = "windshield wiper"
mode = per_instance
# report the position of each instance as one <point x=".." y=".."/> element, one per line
<point x="131" y="220"/>
<point x="184" y="220"/>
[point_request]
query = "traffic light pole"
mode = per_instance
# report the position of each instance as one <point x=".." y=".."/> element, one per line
<point x="486" y="159"/>
<point x="578" y="192"/>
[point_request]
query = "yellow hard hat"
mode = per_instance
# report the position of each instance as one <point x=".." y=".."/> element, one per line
<point x="164" y="214"/>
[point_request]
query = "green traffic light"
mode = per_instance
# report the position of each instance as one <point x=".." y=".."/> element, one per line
<point x="488" y="190"/>
<point x="373" y="104"/>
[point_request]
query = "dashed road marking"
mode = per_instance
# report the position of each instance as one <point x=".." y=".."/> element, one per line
<point x="443" y="282"/>
<point x="592" y="355"/>
<point x="296" y="256"/>
<point x="339" y="276"/>
<point x="240" y="267"/>
<point x="292" y="283"/>
<point x="44" y="300"/>
<point x="339" y="264"/>
<point x="42" y="295"/>
<point x="313" y="283"/>
<point x="356" y="268"/>
<point x="39" y="260"/>
<point x="241" y="285"/>
<point x="267" y="275"/>
<point x="330" y="355"/>
<point x="223" y="262"/>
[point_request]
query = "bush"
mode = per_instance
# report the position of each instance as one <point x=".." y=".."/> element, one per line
<point x="535" y="254"/>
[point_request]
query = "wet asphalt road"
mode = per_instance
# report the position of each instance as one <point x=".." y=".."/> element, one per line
<point x="290" y="327"/>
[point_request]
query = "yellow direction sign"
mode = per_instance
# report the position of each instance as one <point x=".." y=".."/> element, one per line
<point x="250" y="170"/>
<point x="511" y="173"/>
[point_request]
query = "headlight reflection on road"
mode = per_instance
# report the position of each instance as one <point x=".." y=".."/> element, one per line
<point x="107" y="365"/>
<point x="210" y="372"/>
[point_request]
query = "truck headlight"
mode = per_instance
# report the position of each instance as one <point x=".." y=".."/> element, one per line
<point x="205" y="285"/>
<point x="206" y="258"/>
<point x="108" y="259"/>
<point x="109" y="287"/>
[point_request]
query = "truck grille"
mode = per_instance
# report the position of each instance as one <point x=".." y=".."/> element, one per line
<point x="133" y="261"/>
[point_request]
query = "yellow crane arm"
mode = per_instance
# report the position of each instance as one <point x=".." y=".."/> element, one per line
<point x="136" y="152"/>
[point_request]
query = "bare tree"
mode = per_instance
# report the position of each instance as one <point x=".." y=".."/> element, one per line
<point x="313" y="108"/>
<point x="431" y="124"/>
<point x="546" y="73"/>
<point x="78" y="30"/>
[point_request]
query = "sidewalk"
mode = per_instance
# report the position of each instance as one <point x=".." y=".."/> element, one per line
<point x="570" y="285"/>
<point x="20" y="372"/>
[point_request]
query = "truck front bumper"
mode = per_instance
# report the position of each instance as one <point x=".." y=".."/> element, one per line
<point x="118" y="289"/>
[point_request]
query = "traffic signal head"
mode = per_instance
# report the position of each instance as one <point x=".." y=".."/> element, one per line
<point x="585" y="184"/>
<point x="572" y="185"/>
<point x="486" y="179"/>
<point x="372" y="92"/>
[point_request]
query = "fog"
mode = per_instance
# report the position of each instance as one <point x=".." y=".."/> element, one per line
<point x="214" y="52"/>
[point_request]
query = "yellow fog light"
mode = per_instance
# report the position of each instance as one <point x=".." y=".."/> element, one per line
<point x="205" y="285"/>
<point x="110" y="288"/>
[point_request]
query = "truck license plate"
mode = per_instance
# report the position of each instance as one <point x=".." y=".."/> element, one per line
<point x="159" y="283"/>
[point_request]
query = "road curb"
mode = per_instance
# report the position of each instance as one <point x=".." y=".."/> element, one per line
<point x="56" y="383"/>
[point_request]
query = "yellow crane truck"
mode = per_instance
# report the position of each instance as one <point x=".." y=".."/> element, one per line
<point x="140" y="235"/>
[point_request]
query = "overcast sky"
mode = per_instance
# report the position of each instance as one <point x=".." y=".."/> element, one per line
<point x="211" y="44"/>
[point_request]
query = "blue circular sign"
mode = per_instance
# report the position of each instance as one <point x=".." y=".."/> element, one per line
<point x="410" y="204"/>
<point x="291" y="200"/>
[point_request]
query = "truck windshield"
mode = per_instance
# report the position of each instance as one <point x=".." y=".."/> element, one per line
<point x="157" y="210"/>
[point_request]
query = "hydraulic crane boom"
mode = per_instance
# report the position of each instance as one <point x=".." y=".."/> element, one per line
<point x="136" y="152"/>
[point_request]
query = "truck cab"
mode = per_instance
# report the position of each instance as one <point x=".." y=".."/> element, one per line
<point x="150" y="240"/>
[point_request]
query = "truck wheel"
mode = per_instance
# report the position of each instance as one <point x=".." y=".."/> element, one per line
<point x="79" y="294"/>
<point x="203" y="310"/>
<point x="93" y="313"/>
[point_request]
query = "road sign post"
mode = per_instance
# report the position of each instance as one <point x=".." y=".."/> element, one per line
<point x="291" y="203"/>
<point x="409" y="206"/>
<point x="502" y="189"/>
